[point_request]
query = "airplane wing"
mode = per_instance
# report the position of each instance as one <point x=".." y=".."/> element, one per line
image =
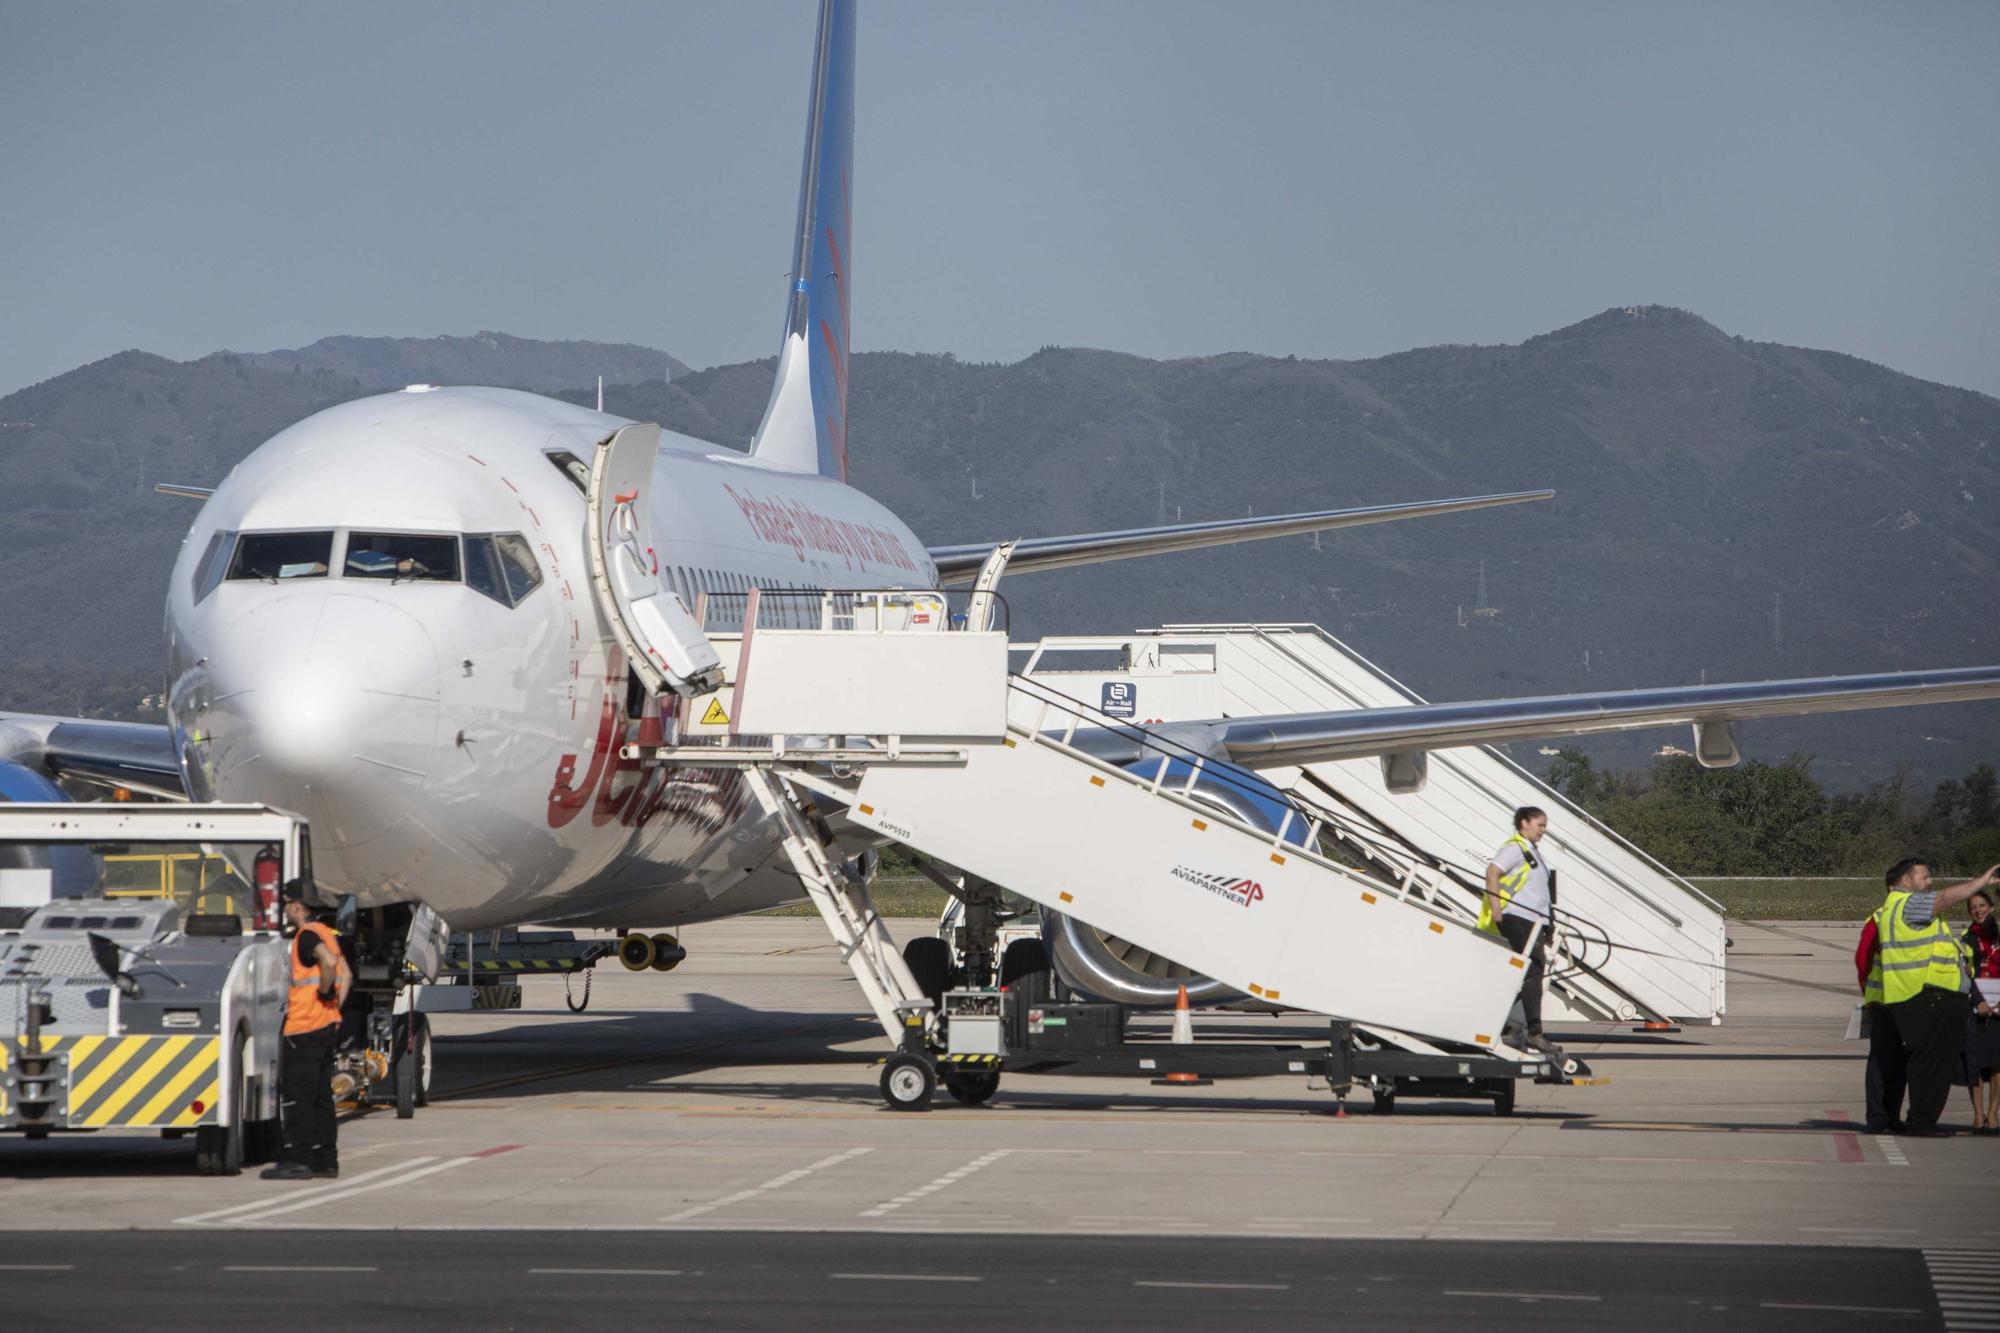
<point x="1283" y="740"/>
<point x="960" y="564"/>
<point x="138" y="755"/>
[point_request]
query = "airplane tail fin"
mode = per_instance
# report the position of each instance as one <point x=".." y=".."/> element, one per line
<point x="805" y="424"/>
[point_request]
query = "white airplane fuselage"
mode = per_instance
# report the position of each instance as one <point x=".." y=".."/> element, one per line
<point x="452" y="749"/>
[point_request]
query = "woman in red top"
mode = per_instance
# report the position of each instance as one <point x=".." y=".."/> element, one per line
<point x="1982" y="1038"/>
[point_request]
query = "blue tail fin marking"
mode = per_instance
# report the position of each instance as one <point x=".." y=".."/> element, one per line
<point x="805" y="424"/>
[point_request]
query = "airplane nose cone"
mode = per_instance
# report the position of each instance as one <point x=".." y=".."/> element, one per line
<point x="335" y="704"/>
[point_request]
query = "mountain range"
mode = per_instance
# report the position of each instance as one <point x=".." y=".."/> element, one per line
<point x="1725" y="509"/>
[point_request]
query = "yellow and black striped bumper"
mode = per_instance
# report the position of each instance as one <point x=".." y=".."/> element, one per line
<point x="522" y="967"/>
<point x="166" y="1082"/>
<point x="950" y="1059"/>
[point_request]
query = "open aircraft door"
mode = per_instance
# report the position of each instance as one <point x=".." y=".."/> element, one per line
<point x="660" y="638"/>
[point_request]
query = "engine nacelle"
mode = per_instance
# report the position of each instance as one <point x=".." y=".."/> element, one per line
<point x="74" y="870"/>
<point x="1104" y="967"/>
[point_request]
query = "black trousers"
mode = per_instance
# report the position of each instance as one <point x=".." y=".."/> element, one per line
<point x="305" y="1093"/>
<point x="1888" y="1070"/>
<point x="1931" y="1027"/>
<point x="1515" y="930"/>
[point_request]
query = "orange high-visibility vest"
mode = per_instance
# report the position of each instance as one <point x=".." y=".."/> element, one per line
<point x="305" y="1009"/>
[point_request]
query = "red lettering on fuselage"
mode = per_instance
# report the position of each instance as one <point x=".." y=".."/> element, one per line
<point x="802" y="528"/>
<point x="705" y="799"/>
<point x="566" y="796"/>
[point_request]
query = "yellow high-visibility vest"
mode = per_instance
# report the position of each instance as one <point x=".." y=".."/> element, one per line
<point x="1911" y="958"/>
<point x="1510" y="884"/>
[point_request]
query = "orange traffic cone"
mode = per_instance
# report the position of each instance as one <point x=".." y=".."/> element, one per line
<point x="1183" y="1022"/>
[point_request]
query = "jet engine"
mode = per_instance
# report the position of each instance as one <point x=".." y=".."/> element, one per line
<point x="1102" y="966"/>
<point x="75" y="871"/>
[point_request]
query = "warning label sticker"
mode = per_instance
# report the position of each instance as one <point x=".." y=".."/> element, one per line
<point x="715" y="717"/>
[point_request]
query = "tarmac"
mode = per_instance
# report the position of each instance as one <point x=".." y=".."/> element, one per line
<point x="1722" y="1175"/>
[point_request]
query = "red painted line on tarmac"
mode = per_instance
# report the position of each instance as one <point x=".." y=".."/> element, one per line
<point x="1846" y="1147"/>
<point x="509" y="1147"/>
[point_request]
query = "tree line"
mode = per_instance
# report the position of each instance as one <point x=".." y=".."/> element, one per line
<point x="1775" y="819"/>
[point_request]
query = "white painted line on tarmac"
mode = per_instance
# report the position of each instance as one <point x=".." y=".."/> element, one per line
<point x="349" y="1192"/>
<point x="1659" y="1226"/>
<point x="298" y="1268"/>
<point x="1525" y="1295"/>
<point x="1965" y="1287"/>
<point x="904" y="1277"/>
<point x="197" y="1219"/>
<point x="605" y="1272"/>
<point x="774" y="1183"/>
<point x="1892" y="1151"/>
<point x="1841" y="1309"/>
<point x="1217" y="1286"/>
<point x="944" y="1181"/>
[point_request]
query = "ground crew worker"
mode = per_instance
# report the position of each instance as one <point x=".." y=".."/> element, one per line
<point x="1926" y="986"/>
<point x="1887" y="1076"/>
<point x="1517" y="900"/>
<point x="320" y="982"/>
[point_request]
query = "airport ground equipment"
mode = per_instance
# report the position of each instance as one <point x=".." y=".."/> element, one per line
<point x="914" y="732"/>
<point x="1633" y="940"/>
<point x="1024" y="1030"/>
<point x="408" y="966"/>
<point x="123" y="1015"/>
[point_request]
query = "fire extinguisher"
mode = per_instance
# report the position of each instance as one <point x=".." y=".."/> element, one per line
<point x="264" y="880"/>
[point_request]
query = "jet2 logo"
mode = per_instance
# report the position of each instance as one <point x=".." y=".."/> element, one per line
<point x="1242" y="892"/>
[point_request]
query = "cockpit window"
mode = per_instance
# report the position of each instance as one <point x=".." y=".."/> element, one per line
<point x="281" y="555"/>
<point x="402" y="556"/>
<point x="517" y="562"/>
<point x="214" y="559"/>
<point x="572" y="467"/>
<point x="502" y="566"/>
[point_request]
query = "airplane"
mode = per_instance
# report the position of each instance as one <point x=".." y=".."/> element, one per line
<point x="384" y="619"/>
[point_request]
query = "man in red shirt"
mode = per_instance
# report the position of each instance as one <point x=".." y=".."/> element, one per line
<point x="1888" y="1064"/>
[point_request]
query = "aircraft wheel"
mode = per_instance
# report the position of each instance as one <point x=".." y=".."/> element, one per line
<point x="908" y="1083"/>
<point x="973" y="1088"/>
<point x="424" y="1059"/>
<point x="636" y="952"/>
<point x="929" y="961"/>
<point x="666" y="953"/>
<point x="413" y="1070"/>
<point x="1024" y="970"/>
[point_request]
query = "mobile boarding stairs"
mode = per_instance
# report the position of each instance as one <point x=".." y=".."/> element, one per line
<point x="891" y="717"/>
<point x="876" y="711"/>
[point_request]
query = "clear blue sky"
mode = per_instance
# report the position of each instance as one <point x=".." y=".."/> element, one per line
<point x="1162" y="178"/>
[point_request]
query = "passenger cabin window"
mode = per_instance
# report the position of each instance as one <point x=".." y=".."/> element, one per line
<point x="501" y="565"/>
<point x="281" y="555"/>
<point x="401" y="556"/>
